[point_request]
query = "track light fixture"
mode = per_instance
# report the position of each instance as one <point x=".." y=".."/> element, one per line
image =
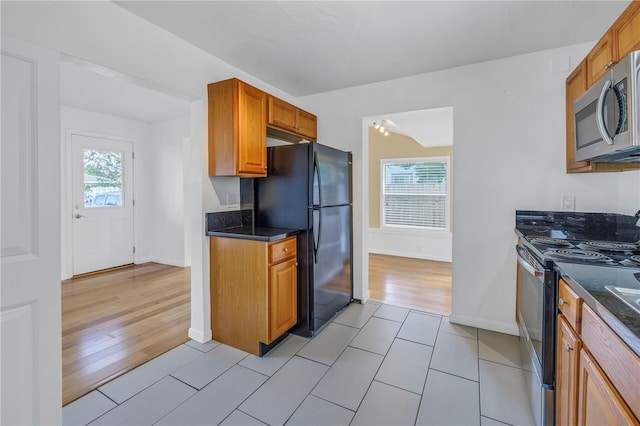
<point x="380" y="126"/>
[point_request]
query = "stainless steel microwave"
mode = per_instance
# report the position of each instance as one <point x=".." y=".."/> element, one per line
<point x="606" y="122"/>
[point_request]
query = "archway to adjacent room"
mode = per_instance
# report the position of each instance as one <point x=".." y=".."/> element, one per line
<point x="410" y="209"/>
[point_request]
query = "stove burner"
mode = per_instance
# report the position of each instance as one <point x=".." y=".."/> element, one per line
<point x="635" y="259"/>
<point x="607" y="246"/>
<point x="551" y="242"/>
<point x="575" y="254"/>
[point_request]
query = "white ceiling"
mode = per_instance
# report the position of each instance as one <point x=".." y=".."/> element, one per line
<point x="308" y="47"/>
<point x="94" y="88"/>
<point x="429" y="127"/>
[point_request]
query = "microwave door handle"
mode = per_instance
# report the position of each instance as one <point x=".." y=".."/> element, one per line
<point x="600" y="113"/>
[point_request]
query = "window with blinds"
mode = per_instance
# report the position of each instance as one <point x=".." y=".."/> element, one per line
<point x="415" y="193"/>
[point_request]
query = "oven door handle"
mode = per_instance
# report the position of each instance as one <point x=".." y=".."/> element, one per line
<point x="525" y="259"/>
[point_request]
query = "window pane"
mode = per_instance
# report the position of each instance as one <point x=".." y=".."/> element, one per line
<point x="102" y="178"/>
<point x="415" y="194"/>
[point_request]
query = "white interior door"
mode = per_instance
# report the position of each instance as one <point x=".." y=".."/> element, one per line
<point x="102" y="200"/>
<point x="30" y="255"/>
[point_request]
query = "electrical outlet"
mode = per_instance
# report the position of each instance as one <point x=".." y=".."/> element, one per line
<point x="569" y="202"/>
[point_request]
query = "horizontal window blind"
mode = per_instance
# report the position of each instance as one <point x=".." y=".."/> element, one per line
<point x="415" y="193"/>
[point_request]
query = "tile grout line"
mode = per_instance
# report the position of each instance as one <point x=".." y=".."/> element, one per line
<point x="378" y="369"/>
<point x="454" y="375"/>
<point x="479" y="384"/>
<point x="348" y="346"/>
<point x="496" y="420"/>
<point x="238" y="409"/>
<point x="424" y="385"/>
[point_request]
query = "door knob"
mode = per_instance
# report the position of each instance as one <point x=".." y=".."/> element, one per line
<point x="78" y="215"/>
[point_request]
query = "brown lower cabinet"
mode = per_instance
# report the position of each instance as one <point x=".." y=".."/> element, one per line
<point x="596" y="372"/>
<point x="598" y="401"/>
<point x="253" y="291"/>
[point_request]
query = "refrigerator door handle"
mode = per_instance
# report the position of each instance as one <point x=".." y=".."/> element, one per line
<point x="317" y="232"/>
<point x="316" y="172"/>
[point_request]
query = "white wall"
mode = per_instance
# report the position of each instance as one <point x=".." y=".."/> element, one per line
<point x="432" y="245"/>
<point x="169" y="191"/>
<point x="509" y="150"/>
<point x="73" y="119"/>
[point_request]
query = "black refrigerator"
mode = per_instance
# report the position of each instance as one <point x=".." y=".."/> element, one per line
<point x="308" y="188"/>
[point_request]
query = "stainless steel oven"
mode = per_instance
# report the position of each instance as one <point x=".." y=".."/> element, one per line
<point x="537" y="322"/>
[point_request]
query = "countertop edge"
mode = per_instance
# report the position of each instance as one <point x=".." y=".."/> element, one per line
<point x="621" y="330"/>
<point x="265" y="238"/>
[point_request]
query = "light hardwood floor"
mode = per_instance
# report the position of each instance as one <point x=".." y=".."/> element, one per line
<point x="406" y="281"/>
<point x="116" y="321"/>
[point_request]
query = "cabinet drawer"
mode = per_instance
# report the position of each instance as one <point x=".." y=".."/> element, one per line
<point x="570" y="305"/>
<point x="282" y="250"/>
<point x="620" y="364"/>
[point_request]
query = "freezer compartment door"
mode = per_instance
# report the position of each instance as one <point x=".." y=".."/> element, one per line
<point x="331" y="177"/>
<point x="281" y="199"/>
<point x="331" y="264"/>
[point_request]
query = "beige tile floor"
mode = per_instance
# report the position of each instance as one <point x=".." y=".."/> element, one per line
<point x="375" y="364"/>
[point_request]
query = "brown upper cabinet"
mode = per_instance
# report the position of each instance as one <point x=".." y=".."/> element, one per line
<point x="623" y="37"/>
<point x="237" y="129"/>
<point x="600" y="59"/>
<point x="289" y="118"/>
<point x="240" y="117"/>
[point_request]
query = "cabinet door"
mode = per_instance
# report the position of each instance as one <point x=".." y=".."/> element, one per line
<point x="252" y="138"/>
<point x="282" y="114"/>
<point x="282" y="298"/>
<point x="599" y="59"/>
<point x="567" y="357"/>
<point x="576" y="86"/>
<point x="598" y="401"/>
<point x="626" y="31"/>
<point x="307" y="125"/>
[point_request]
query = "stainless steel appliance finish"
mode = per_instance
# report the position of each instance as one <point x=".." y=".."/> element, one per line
<point x="630" y="296"/>
<point x="606" y="120"/>
<point x="308" y="188"/>
<point x="536" y="316"/>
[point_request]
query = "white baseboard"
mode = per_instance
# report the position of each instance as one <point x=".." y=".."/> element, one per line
<point x="365" y="296"/>
<point x="413" y="255"/>
<point x="484" y="324"/>
<point x="171" y="262"/>
<point x="141" y="260"/>
<point x="200" y="336"/>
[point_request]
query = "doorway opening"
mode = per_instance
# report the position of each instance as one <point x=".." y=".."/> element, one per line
<point x="410" y="167"/>
<point x="115" y="213"/>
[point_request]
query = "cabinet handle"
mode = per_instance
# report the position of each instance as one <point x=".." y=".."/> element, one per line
<point x="286" y="249"/>
<point x="562" y="302"/>
<point x="609" y="64"/>
<point x="567" y="348"/>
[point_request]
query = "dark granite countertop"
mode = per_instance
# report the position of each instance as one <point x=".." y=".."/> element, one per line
<point x="239" y="224"/>
<point x="589" y="282"/>
<point x="253" y="233"/>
